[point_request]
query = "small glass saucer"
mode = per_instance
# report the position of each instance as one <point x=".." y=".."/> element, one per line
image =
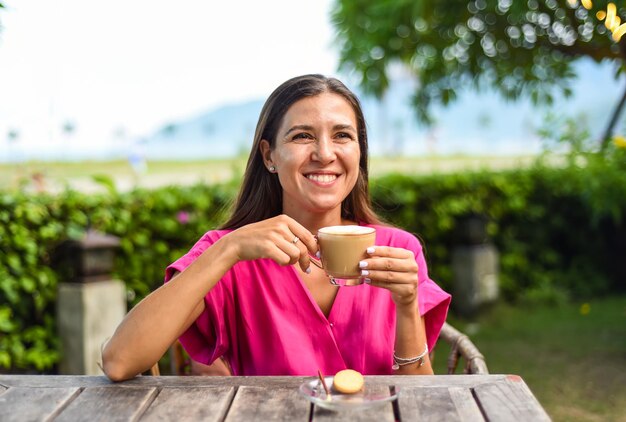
<point x="370" y="396"/>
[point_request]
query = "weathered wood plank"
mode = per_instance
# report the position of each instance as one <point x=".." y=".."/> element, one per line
<point x="192" y="404"/>
<point x="268" y="404"/>
<point x="465" y="404"/>
<point x="108" y="404"/>
<point x="187" y="381"/>
<point x="509" y="401"/>
<point x="2" y="389"/>
<point x="34" y="404"/>
<point x="54" y="380"/>
<point x="436" y="404"/>
<point x="382" y="413"/>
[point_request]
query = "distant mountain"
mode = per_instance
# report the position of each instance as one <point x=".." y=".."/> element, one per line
<point x="476" y="124"/>
<point x="222" y="132"/>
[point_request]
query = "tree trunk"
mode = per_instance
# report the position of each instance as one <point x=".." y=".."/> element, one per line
<point x="604" y="141"/>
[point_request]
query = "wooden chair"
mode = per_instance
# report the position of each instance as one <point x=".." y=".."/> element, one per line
<point x="462" y="346"/>
<point x="178" y="361"/>
<point x="181" y="364"/>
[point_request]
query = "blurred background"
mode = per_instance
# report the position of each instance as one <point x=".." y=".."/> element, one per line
<point x="496" y="134"/>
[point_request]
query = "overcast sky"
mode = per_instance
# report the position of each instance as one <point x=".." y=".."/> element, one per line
<point x="136" y="65"/>
<point x="120" y="70"/>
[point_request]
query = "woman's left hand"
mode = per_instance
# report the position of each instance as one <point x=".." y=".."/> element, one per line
<point x="393" y="269"/>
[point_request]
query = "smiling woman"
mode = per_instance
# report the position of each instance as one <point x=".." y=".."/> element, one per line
<point x="239" y="295"/>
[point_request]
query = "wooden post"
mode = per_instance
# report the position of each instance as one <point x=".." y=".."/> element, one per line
<point x="90" y="304"/>
<point x="475" y="267"/>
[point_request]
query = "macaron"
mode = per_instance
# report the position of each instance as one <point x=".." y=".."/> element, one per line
<point x="348" y="381"/>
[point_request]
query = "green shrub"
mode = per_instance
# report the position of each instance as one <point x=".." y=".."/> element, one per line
<point x="560" y="232"/>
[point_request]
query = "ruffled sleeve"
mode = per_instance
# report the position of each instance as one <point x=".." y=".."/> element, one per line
<point x="207" y="338"/>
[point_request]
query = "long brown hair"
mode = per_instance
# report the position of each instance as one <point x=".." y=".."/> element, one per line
<point x="261" y="195"/>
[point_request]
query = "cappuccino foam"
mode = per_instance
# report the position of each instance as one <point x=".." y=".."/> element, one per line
<point x="343" y="230"/>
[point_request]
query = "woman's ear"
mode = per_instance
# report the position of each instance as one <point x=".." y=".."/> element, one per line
<point x="266" y="153"/>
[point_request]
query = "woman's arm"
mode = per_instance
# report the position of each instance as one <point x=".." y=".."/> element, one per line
<point x="160" y="318"/>
<point x="395" y="269"/>
<point x="411" y="341"/>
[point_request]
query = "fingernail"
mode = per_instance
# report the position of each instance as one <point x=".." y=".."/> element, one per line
<point x="367" y="281"/>
<point x="365" y="272"/>
<point x="371" y="249"/>
<point x="362" y="264"/>
<point x="308" y="270"/>
<point x="317" y="254"/>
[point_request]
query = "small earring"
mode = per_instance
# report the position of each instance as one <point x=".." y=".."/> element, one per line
<point x="272" y="169"/>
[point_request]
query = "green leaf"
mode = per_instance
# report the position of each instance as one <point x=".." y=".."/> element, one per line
<point x="5" y="359"/>
<point x="6" y="324"/>
<point x="106" y="182"/>
<point x="14" y="263"/>
<point x="28" y="284"/>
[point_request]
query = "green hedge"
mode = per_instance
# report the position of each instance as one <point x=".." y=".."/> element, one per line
<point x="560" y="232"/>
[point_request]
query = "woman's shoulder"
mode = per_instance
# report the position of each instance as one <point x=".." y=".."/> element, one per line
<point x="390" y="231"/>
<point x="213" y="236"/>
<point x="395" y="236"/>
<point x="207" y="239"/>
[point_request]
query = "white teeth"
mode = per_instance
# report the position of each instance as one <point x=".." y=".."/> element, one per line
<point x="322" y="178"/>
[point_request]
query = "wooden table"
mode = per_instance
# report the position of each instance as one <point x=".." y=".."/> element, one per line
<point x="424" y="398"/>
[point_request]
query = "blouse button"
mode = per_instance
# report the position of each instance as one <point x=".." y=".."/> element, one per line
<point x="331" y="325"/>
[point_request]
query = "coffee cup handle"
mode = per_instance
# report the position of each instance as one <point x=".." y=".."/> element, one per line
<point x="316" y="262"/>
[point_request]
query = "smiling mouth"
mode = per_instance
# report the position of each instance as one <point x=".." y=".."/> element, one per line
<point x="322" y="178"/>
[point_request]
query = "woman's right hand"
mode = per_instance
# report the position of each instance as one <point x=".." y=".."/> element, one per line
<point x="281" y="239"/>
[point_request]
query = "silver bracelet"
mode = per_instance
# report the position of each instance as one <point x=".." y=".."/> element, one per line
<point x="398" y="361"/>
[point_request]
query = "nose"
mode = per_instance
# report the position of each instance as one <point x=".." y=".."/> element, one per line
<point x="324" y="151"/>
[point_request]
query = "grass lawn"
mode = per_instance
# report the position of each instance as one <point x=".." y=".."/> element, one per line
<point x="573" y="357"/>
<point x="78" y="175"/>
<point x="55" y="176"/>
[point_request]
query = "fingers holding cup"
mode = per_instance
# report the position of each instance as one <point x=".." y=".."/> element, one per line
<point x="394" y="269"/>
<point x="386" y="259"/>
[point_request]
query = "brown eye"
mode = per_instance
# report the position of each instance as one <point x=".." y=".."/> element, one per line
<point x="344" y="137"/>
<point x="302" y="136"/>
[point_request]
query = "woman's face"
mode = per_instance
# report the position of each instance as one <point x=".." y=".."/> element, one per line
<point x="316" y="154"/>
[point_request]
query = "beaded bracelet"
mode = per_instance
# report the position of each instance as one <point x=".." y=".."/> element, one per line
<point x="398" y="361"/>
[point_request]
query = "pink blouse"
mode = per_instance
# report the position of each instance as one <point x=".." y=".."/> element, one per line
<point x="261" y="317"/>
